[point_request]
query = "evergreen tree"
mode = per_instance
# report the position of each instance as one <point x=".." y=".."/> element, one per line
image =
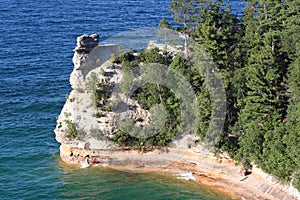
<point x="258" y="58"/>
<point x="291" y="44"/>
<point x="292" y="139"/>
<point x="219" y="33"/>
<point x="276" y="160"/>
<point x="266" y="73"/>
<point x="185" y="13"/>
<point x="165" y="24"/>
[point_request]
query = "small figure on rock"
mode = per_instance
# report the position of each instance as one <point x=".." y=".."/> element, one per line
<point x="86" y="163"/>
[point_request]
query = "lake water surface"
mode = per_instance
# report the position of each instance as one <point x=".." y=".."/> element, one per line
<point x="36" y="43"/>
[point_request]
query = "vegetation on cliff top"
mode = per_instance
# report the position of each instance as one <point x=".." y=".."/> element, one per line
<point x="258" y="58"/>
<point x="148" y="96"/>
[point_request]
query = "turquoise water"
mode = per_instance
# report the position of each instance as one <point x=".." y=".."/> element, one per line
<point x="36" y="42"/>
<point x="112" y="184"/>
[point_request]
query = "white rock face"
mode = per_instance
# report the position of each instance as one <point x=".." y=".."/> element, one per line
<point x="163" y="47"/>
<point x="94" y="128"/>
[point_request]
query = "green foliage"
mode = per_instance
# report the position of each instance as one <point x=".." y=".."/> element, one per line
<point x="296" y="181"/>
<point x="121" y="138"/>
<point x="97" y="134"/>
<point x="150" y="97"/>
<point x="276" y="160"/>
<point x="185" y="12"/>
<point x="129" y="65"/>
<point x="126" y="83"/>
<point x="219" y="33"/>
<point x="267" y="129"/>
<point x="67" y="114"/>
<point x="205" y="112"/>
<point x="109" y="108"/>
<point x="102" y="72"/>
<point x="124" y="57"/>
<point x="292" y="138"/>
<point x="165" y="24"/>
<point x="155" y="56"/>
<point x="192" y="75"/>
<point x="91" y="83"/>
<point x="102" y="93"/>
<point x="99" y="114"/>
<point x="258" y="59"/>
<point x="72" y="132"/>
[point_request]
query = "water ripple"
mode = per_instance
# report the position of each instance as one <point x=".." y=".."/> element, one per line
<point x="36" y="42"/>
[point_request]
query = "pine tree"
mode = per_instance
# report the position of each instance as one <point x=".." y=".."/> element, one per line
<point x="219" y="33"/>
<point x="165" y="24"/>
<point x="292" y="139"/>
<point x="266" y="73"/>
<point x="292" y="46"/>
<point x="185" y="13"/>
<point x="258" y="58"/>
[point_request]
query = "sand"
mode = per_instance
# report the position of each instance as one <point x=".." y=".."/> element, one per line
<point x="221" y="174"/>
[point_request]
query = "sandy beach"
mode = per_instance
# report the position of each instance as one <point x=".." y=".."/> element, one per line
<point x="221" y="174"/>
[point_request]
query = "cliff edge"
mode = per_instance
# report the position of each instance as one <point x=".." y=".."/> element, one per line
<point x="87" y="124"/>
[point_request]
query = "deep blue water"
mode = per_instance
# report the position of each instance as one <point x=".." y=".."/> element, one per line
<point x="36" y="42"/>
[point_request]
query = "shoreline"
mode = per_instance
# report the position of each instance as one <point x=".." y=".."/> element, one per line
<point x="219" y="174"/>
<point x="182" y="156"/>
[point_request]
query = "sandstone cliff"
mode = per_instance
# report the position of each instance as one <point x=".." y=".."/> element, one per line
<point x="85" y="130"/>
<point x="81" y="123"/>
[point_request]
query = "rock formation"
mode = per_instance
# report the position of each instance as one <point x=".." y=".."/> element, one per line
<point x="81" y="123"/>
<point x="86" y="43"/>
<point x="84" y="132"/>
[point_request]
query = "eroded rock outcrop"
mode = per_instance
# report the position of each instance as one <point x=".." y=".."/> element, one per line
<point x="82" y="123"/>
<point x="86" y="43"/>
<point x="84" y="130"/>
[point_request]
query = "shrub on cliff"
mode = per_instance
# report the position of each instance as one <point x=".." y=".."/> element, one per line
<point x="155" y="56"/>
<point x="296" y="182"/>
<point x="124" y="57"/>
<point x="102" y="93"/>
<point x="72" y="132"/>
